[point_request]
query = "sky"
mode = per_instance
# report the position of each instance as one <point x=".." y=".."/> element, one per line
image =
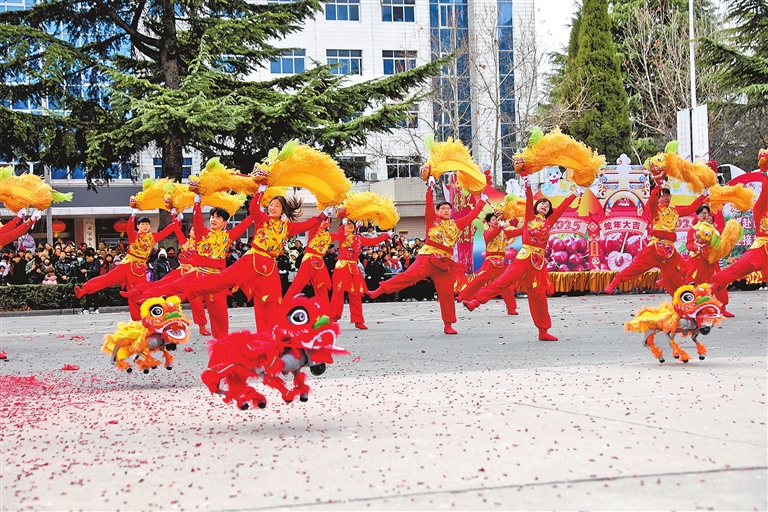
<point x="553" y="18"/>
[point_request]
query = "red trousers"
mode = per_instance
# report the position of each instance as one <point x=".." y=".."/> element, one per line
<point x="750" y="261"/>
<point x="177" y="283"/>
<point x="521" y="271"/>
<point x="700" y="271"/>
<point x="424" y="267"/>
<point x="255" y="276"/>
<point x="126" y="275"/>
<point x="348" y="279"/>
<point x="314" y="271"/>
<point x="487" y="273"/>
<point x="671" y="264"/>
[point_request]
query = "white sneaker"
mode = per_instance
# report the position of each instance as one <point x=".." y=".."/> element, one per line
<point x="95" y="311"/>
<point x="83" y="312"/>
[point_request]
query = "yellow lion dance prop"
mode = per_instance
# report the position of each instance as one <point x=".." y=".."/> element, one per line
<point x="162" y="327"/>
<point x="694" y="310"/>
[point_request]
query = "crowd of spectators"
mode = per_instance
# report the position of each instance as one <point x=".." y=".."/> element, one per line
<point x="67" y="263"/>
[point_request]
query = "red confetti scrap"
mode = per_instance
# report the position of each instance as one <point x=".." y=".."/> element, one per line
<point x="188" y="349"/>
<point x="70" y="367"/>
<point x="112" y="422"/>
<point x="3" y="355"/>
<point x="356" y="360"/>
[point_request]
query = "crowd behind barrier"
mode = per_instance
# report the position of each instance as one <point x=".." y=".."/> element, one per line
<point x="64" y="264"/>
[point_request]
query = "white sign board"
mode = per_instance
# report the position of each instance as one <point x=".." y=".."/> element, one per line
<point x="700" y="133"/>
<point x="684" y="134"/>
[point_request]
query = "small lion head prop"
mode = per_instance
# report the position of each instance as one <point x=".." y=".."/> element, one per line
<point x="165" y="317"/>
<point x="698" y="303"/>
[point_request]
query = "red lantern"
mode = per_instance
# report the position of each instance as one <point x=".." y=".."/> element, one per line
<point x="121" y="226"/>
<point x="57" y="227"/>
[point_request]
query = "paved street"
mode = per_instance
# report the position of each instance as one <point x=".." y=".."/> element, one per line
<point x="413" y="419"/>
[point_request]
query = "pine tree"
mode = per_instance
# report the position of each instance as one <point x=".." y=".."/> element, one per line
<point x="175" y="73"/>
<point x="604" y="122"/>
<point x="740" y="53"/>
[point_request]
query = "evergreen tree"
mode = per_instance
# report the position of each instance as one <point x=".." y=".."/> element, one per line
<point x="738" y="56"/>
<point x="119" y="75"/>
<point x="604" y="124"/>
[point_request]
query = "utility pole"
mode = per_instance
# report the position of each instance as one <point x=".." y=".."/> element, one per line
<point x="693" y="59"/>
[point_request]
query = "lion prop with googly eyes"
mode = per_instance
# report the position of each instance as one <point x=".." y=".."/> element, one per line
<point x="162" y="327"/>
<point x="303" y="337"/>
<point x="694" y="310"/>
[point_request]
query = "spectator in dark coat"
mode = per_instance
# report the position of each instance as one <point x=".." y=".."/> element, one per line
<point x="88" y="270"/>
<point x="173" y="260"/>
<point x="161" y="268"/>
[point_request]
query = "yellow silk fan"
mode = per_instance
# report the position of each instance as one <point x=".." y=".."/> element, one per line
<point x="556" y="148"/>
<point x="371" y="207"/>
<point x="450" y="156"/>
<point x="298" y="165"/>
<point x="27" y="190"/>
<point x="740" y="197"/>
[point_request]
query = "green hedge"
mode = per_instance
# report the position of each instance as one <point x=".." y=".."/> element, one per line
<point x="48" y="296"/>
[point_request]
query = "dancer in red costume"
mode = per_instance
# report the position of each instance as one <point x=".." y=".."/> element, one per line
<point x="131" y="272"/>
<point x="756" y="257"/>
<point x="17" y="227"/>
<point x="204" y="253"/>
<point x="256" y="271"/>
<point x="529" y="268"/>
<point x="660" y="251"/>
<point x="435" y="258"/>
<point x="313" y="269"/>
<point x="347" y="276"/>
<point x="700" y="270"/>
<point x="493" y="266"/>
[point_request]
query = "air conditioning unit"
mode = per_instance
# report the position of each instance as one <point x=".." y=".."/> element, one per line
<point x="145" y="176"/>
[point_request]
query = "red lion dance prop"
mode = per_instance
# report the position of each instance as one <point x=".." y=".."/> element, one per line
<point x="303" y="336"/>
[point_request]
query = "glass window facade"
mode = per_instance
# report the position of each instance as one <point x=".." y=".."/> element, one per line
<point x="342" y="10"/>
<point x="403" y="167"/>
<point x="186" y="167"/>
<point x="290" y="63"/>
<point x="449" y="31"/>
<point x="348" y="61"/>
<point x="506" y="88"/>
<point x="402" y="11"/>
<point x="397" y="61"/>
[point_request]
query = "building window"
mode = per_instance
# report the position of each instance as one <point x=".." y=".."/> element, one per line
<point x="398" y="10"/>
<point x="291" y="62"/>
<point x="342" y="10"/>
<point x="354" y="166"/>
<point x="403" y="167"/>
<point x="348" y="61"/>
<point x="412" y="121"/>
<point x="397" y="61"/>
<point x="186" y="167"/>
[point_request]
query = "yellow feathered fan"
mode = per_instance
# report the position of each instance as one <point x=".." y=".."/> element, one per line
<point x="452" y="155"/>
<point x="298" y="165"/>
<point x="166" y="194"/>
<point x="218" y="178"/>
<point x="721" y="246"/>
<point x="513" y="207"/>
<point x="27" y="190"/>
<point x="556" y="148"/>
<point x="697" y="176"/>
<point x="740" y="197"/>
<point x="371" y="207"/>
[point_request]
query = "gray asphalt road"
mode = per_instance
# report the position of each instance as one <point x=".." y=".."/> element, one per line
<point x="414" y="419"/>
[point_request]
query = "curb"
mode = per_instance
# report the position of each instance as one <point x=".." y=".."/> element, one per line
<point x="58" y="312"/>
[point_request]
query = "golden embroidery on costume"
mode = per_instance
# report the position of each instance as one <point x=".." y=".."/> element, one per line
<point x="270" y="237"/>
<point x="538" y="230"/>
<point x="666" y="220"/>
<point x="445" y="233"/>
<point x="139" y="249"/>
<point x="320" y="242"/>
<point x="214" y="245"/>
